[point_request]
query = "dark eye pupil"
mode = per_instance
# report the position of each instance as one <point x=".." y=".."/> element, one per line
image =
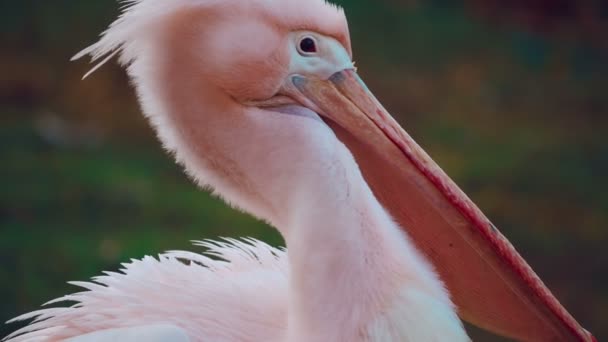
<point x="308" y="45"/>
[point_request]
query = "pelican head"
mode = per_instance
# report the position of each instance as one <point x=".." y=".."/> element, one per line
<point x="261" y="102"/>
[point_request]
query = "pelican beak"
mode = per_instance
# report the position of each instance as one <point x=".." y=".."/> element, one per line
<point x="491" y="284"/>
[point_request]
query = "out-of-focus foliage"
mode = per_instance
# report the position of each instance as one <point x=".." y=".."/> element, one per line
<point x="509" y="97"/>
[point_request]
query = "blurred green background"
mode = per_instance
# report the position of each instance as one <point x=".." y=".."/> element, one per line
<point x="509" y="97"/>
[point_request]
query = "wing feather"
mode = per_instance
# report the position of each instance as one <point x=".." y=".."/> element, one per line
<point x="236" y="290"/>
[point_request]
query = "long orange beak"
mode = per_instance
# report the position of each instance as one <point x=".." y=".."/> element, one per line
<point x="491" y="284"/>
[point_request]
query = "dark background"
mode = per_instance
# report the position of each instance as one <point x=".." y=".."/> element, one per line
<point x="509" y="97"/>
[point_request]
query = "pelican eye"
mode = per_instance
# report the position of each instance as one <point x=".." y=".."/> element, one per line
<point x="307" y="46"/>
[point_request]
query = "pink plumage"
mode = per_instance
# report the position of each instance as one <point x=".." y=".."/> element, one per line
<point x="244" y="285"/>
<point x="260" y="103"/>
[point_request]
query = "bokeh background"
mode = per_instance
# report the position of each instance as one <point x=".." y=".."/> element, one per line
<point x="509" y="97"/>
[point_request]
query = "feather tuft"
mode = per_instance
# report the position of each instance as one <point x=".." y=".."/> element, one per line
<point x="235" y="282"/>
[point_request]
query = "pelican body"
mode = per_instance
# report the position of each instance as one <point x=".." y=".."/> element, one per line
<point x="260" y="101"/>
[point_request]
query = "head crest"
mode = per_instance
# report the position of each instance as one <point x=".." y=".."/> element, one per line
<point x="140" y="19"/>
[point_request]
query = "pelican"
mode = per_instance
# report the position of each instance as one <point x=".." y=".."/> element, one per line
<point x="260" y="101"/>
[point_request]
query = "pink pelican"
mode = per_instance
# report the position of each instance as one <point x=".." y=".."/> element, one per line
<point x="259" y="100"/>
